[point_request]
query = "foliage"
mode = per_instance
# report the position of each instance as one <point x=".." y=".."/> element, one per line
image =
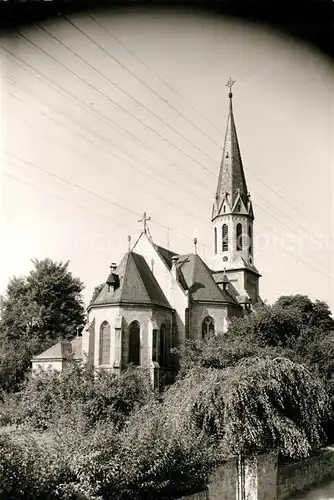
<point x="167" y="449"/>
<point x="79" y="392"/>
<point x="45" y="305"/>
<point x="149" y="458"/>
<point x="37" y="310"/>
<point x="255" y="405"/>
<point x="311" y="313"/>
<point x="283" y="323"/>
<point x="31" y="471"/>
<point x="222" y="351"/>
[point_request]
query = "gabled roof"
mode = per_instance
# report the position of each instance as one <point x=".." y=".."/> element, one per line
<point x="137" y="285"/>
<point x="62" y="350"/>
<point x="196" y="277"/>
<point x="57" y="351"/>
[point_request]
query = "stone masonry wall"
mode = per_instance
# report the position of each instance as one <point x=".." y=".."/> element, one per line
<point x="299" y="476"/>
<point x="262" y="480"/>
<point x="222" y="485"/>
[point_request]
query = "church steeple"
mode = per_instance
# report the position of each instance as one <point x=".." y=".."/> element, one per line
<point x="232" y="218"/>
<point x="231" y="182"/>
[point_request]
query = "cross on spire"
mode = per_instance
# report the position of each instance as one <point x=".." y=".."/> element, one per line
<point x="230" y="84"/>
<point x="144" y="220"/>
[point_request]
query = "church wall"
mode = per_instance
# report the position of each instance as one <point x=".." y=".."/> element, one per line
<point x="144" y="316"/>
<point x="100" y="315"/>
<point x="219" y="313"/>
<point x="57" y="365"/>
<point x="171" y="288"/>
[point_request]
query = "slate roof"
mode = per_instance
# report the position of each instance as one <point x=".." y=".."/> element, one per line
<point x="165" y="254"/>
<point x="137" y="285"/>
<point x="231" y="175"/>
<point x="195" y="276"/>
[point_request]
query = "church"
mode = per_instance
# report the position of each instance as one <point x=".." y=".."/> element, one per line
<point x="155" y="299"/>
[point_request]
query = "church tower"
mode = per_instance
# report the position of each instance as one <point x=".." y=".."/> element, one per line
<point x="232" y="221"/>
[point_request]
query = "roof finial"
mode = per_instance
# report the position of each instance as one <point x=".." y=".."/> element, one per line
<point x="195" y="243"/>
<point x="230" y="84"/>
<point x="129" y="242"/>
<point x="144" y="219"/>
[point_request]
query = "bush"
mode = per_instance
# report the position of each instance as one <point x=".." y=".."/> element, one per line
<point x="254" y="406"/>
<point x="29" y="472"/>
<point x="80" y="391"/>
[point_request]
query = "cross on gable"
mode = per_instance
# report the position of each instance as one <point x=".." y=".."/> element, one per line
<point x="144" y="220"/>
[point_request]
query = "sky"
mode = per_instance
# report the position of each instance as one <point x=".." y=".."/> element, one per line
<point x="109" y="114"/>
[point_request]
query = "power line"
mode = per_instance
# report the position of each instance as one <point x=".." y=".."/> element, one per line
<point x="190" y="105"/>
<point x="37" y="47"/>
<point x="275" y="218"/>
<point x="88" y="191"/>
<point x="108" y="121"/>
<point x="103" y="138"/>
<point x="114" y="221"/>
<point x="152" y="177"/>
<point x="128" y="70"/>
<point x="130" y="51"/>
<point x="131" y="211"/>
<point x="280" y="222"/>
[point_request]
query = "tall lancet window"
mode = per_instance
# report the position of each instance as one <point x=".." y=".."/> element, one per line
<point x="250" y="239"/>
<point x="105" y="343"/>
<point x="208" y="327"/>
<point x="162" y="350"/>
<point x="239" y="237"/>
<point x="134" y="343"/>
<point x="224" y="238"/>
<point x="215" y="240"/>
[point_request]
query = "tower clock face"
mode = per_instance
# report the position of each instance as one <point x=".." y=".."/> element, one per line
<point x="225" y="259"/>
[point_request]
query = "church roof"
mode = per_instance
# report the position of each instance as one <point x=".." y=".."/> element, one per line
<point x="137" y="285"/>
<point x="231" y="175"/>
<point x="165" y="254"/>
<point x="195" y="276"/>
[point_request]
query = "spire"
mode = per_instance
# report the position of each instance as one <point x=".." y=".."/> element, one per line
<point x="231" y="179"/>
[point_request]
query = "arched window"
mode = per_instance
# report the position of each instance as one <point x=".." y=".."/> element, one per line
<point x="162" y="349"/>
<point x="225" y="237"/>
<point x="250" y="242"/>
<point x="215" y="240"/>
<point x="105" y="343"/>
<point x="239" y="237"/>
<point x="134" y="343"/>
<point x="208" y="327"/>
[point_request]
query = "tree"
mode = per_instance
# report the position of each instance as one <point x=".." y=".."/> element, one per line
<point x="38" y="310"/>
<point x="256" y="405"/>
<point x="96" y="292"/>
<point x="311" y="313"/>
<point x="294" y="328"/>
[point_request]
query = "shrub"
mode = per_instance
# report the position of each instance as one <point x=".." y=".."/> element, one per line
<point x="50" y="397"/>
